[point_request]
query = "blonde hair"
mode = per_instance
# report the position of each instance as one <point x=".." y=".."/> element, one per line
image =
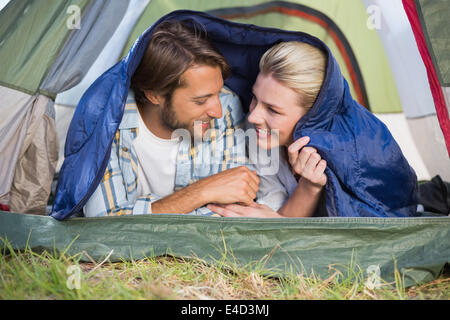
<point x="297" y="65"/>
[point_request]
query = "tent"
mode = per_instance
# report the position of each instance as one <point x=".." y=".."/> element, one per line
<point x="392" y="54"/>
<point x="382" y="62"/>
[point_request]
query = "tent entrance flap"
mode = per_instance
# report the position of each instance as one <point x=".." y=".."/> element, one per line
<point x="417" y="247"/>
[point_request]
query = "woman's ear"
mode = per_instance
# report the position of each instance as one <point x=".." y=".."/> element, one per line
<point x="153" y="97"/>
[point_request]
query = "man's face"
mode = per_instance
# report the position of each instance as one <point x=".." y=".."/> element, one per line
<point x="196" y="102"/>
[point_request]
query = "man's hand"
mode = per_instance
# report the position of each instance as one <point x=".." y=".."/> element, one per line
<point x="237" y="185"/>
<point x="307" y="163"/>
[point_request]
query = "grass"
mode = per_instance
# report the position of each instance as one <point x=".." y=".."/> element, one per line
<point x="51" y="275"/>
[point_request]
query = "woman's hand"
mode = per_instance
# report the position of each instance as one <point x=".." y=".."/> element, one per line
<point x="307" y="163"/>
<point x="255" y="210"/>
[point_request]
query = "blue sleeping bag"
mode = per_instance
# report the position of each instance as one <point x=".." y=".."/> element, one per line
<point x="368" y="176"/>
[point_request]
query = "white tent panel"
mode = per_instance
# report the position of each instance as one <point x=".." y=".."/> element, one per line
<point x="430" y="142"/>
<point x="398" y="126"/>
<point x="3" y="3"/>
<point x="63" y="117"/>
<point x="409" y="72"/>
<point x="109" y="55"/>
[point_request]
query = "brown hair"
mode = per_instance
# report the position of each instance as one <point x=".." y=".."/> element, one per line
<point x="173" y="48"/>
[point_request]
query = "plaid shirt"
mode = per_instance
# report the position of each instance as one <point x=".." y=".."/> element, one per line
<point x="117" y="192"/>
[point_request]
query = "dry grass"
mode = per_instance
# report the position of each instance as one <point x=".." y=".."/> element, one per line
<point x="29" y="275"/>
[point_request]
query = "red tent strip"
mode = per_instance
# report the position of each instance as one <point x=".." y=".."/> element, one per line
<point x="435" y="86"/>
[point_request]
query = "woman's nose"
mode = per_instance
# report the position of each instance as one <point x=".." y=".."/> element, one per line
<point x="255" y="115"/>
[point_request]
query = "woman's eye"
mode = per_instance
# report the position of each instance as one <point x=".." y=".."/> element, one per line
<point x="273" y="111"/>
<point x="253" y="102"/>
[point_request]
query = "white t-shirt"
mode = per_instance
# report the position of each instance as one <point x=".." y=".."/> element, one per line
<point x="156" y="162"/>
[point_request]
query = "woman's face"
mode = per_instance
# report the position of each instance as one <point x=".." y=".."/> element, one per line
<point x="274" y="112"/>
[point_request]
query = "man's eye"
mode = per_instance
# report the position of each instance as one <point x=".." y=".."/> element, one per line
<point x="200" y="102"/>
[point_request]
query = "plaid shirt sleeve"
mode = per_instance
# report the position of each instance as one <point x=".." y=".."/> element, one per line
<point x="111" y="198"/>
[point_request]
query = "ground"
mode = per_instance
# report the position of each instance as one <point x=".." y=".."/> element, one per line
<point x="31" y="275"/>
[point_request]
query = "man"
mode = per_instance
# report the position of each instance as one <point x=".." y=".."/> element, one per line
<point x="153" y="167"/>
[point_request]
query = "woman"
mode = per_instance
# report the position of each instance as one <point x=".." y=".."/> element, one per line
<point x="280" y="99"/>
<point x="286" y="90"/>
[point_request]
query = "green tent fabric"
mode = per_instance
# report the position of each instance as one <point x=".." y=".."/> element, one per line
<point x="417" y="247"/>
<point x="40" y="44"/>
<point x="434" y="19"/>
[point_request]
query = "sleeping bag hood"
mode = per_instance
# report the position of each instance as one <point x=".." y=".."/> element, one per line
<point x="367" y="172"/>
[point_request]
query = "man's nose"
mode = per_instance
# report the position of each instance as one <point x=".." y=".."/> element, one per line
<point x="215" y="110"/>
